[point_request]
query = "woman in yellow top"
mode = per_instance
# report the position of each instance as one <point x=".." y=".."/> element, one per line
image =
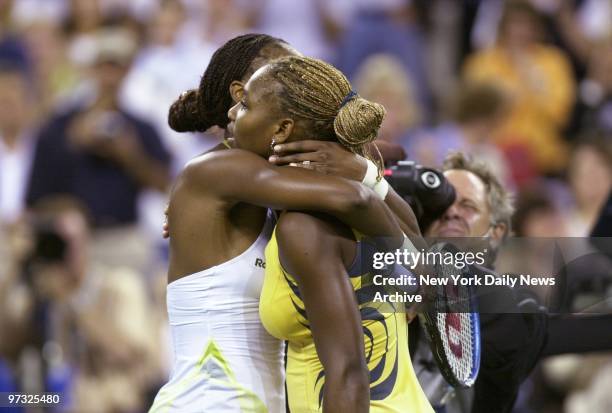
<point x="344" y="354"/>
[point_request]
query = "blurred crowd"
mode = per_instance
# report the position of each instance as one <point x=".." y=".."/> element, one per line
<point x="87" y="158"/>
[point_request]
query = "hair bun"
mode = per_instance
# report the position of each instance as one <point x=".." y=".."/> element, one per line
<point x="184" y="115"/>
<point x="358" y="121"/>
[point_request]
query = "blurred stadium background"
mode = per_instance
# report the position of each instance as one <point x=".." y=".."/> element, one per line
<point x="86" y="156"/>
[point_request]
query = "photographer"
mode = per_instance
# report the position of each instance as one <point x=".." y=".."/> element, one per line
<point x="98" y="153"/>
<point x="466" y="201"/>
<point x="63" y="321"/>
<point x="483" y="210"/>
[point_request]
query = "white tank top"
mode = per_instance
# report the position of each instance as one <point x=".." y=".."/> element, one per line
<point x="224" y="360"/>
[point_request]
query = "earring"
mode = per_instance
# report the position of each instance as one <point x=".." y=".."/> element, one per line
<point x="272" y="145"/>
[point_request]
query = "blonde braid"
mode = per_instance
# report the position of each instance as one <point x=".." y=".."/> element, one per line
<point x="315" y="91"/>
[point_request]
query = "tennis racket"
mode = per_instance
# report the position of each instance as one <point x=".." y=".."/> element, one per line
<point x="452" y="324"/>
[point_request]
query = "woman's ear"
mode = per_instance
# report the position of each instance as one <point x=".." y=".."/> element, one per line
<point x="284" y="129"/>
<point x="236" y="90"/>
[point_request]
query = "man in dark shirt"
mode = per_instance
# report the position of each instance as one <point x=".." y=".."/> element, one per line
<point x="511" y="341"/>
<point x="97" y="152"/>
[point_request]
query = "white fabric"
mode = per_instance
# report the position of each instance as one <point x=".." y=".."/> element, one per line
<point x="371" y="175"/>
<point x="15" y="167"/>
<point x="215" y="327"/>
<point x="381" y="188"/>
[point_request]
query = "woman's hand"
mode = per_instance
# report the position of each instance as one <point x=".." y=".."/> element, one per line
<point x="329" y="158"/>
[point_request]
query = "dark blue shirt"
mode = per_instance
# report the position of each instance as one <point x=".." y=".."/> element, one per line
<point x="108" y="191"/>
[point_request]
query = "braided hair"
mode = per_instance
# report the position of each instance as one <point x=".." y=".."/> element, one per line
<point x="196" y="110"/>
<point x="318" y="94"/>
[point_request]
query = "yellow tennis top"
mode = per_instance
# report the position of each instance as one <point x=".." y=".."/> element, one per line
<point x="393" y="383"/>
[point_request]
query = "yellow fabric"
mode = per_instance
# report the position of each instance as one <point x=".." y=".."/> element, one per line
<point x="393" y="383"/>
<point x="541" y="89"/>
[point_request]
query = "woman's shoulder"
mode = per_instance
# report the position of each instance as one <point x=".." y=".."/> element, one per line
<point x="311" y="224"/>
<point x="219" y="163"/>
<point x="316" y="234"/>
<point x="220" y="154"/>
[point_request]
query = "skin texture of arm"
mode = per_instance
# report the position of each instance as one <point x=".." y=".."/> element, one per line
<point x="315" y="250"/>
<point x="236" y="176"/>
<point x="405" y="217"/>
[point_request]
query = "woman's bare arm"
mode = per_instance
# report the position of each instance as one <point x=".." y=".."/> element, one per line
<point x="310" y="250"/>
<point x="236" y="175"/>
<point x="331" y="158"/>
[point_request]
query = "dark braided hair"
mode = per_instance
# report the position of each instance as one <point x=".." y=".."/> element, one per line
<point x="196" y="110"/>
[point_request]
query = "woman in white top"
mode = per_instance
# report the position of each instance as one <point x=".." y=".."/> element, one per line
<point x="224" y="360"/>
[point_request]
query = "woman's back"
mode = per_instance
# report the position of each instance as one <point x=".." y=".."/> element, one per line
<point x="224" y="361"/>
<point x="206" y="229"/>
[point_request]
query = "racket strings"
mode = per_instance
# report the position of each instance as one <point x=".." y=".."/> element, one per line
<point x="462" y="367"/>
<point x="453" y="302"/>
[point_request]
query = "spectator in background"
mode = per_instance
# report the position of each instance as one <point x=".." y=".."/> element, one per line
<point x="581" y="24"/>
<point x="152" y="84"/>
<point x="538" y="80"/>
<point x="590" y="178"/>
<point x="593" y="110"/>
<point x="99" y="153"/>
<point x="11" y="46"/>
<point x="223" y="19"/>
<point x="483" y="210"/>
<point x="105" y="157"/>
<point x="483" y="207"/>
<point x="72" y="314"/>
<point x="83" y="19"/>
<point x="537" y="215"/>
<point x="17" y="128"/>
<point x="311" y="26"/>
<point x="475" y="110"/>
<point x="392" y="27"/>
<point x="53" y="75"/>
<point x="171" y="46"/>
<point x="382" y="78"/>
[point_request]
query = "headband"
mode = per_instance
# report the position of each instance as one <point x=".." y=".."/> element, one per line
<point x="350" y="96"/>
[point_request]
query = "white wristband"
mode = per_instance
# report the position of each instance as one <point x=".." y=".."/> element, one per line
<point x="381" y="188"/>
<point x="371" y="175"/>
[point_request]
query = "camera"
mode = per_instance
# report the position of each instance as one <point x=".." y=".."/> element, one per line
<point x="48" y="245"/>
<point x="109" y="125"/>
<point x="425" y="189"/>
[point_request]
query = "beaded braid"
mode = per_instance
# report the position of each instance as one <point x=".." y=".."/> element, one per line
<point x="198" y="110"/>
<point x="233" y="61"/>
<point x="315" y="91"/>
